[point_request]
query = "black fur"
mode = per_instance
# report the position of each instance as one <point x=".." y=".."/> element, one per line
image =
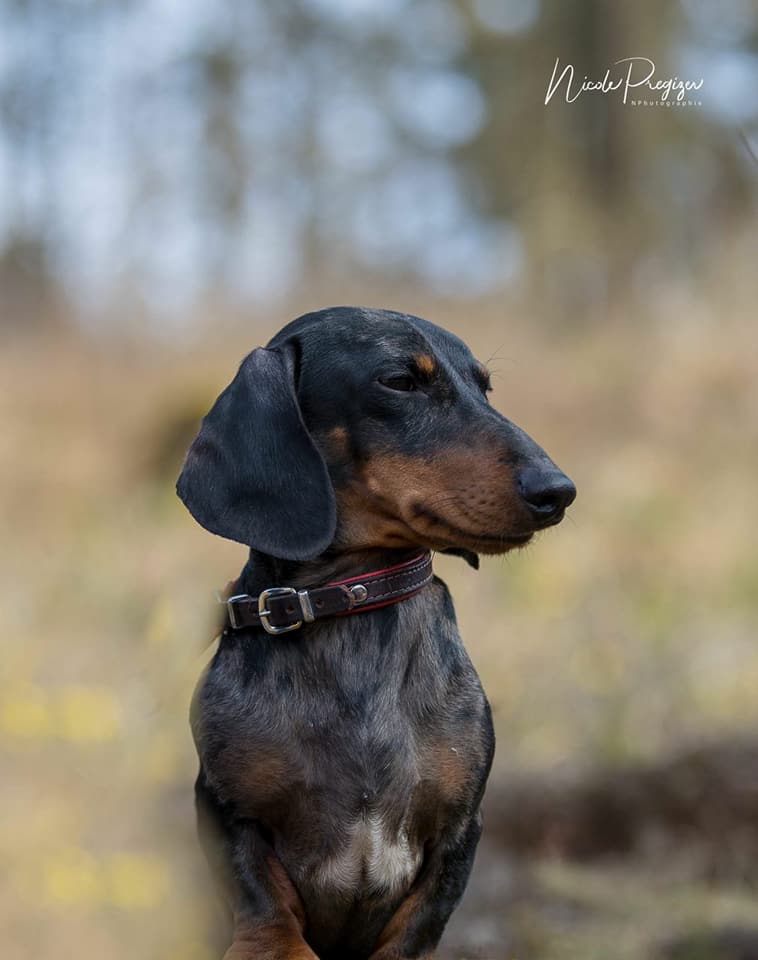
<point x="343" y="765"/>
<point x="253" y="473"/>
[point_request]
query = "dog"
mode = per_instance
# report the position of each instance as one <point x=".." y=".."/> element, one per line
<point x="343" y="734"/>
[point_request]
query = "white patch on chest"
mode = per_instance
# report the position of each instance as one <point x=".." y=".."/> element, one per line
<point x="371" y="859"/>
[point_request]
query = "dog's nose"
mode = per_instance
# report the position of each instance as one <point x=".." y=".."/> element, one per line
<point x="547" y="493"/>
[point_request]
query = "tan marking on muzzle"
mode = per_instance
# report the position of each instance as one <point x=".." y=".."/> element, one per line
<point x="410" y="500"/>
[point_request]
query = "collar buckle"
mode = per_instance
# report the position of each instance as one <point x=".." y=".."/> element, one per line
<point x="263" y="613"/>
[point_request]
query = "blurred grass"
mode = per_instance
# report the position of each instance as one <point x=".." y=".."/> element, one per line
<point x="626" y="911"/>
<point x="627" y="630"/>
<point x="613" y="910"/>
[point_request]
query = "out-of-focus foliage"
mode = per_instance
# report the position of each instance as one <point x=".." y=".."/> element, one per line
<point x="165" y="153"/>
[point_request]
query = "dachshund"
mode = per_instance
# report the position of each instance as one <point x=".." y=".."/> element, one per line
<point x="343" y="734"/>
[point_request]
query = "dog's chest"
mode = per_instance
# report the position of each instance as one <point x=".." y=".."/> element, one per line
<point x="353" y="756"/>
<point x="373" y="856"/>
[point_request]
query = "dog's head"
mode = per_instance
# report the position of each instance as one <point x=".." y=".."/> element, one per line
<point x="359" y="428"/>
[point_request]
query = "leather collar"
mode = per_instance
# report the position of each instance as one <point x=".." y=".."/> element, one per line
<point x="281" y="609"/>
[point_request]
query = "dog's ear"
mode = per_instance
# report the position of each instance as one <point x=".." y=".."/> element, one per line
<point x="253" y="473"/>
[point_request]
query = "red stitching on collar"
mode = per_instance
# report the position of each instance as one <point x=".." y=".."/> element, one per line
<point x="376" y="573"/>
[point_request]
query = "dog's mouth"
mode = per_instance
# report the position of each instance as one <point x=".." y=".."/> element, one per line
<point x="451" y="535"/>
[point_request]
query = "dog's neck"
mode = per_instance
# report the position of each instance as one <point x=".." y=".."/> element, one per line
<point x="262" y="570"/>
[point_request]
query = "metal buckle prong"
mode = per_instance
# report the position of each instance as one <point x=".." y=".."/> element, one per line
<point x="263" y="613"/>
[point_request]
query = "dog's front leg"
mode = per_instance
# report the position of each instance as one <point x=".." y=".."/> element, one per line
<point x="271" y="941"/>
<point x="268" y="940"/>
<point x="268" y="914"/>
<point x="414" y="930"/>
<point x="266" y="909"/>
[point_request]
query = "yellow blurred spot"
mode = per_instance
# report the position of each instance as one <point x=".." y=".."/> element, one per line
<point x="88" y="714"/>
<point x="26" y="714"/>
<point x="136" y="882"/>
<point x="70" y="876"/>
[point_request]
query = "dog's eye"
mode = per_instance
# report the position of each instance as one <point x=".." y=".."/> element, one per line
<point x="403" y="384"/>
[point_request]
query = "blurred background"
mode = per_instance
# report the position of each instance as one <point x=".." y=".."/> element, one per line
<point x="178" y="180"/>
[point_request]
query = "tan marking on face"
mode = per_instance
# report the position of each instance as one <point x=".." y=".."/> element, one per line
<point x="463" y="498"/>
<point x="426" y="363"/>
<point x="362" y="520"/>
<point x="337" y="441"/>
